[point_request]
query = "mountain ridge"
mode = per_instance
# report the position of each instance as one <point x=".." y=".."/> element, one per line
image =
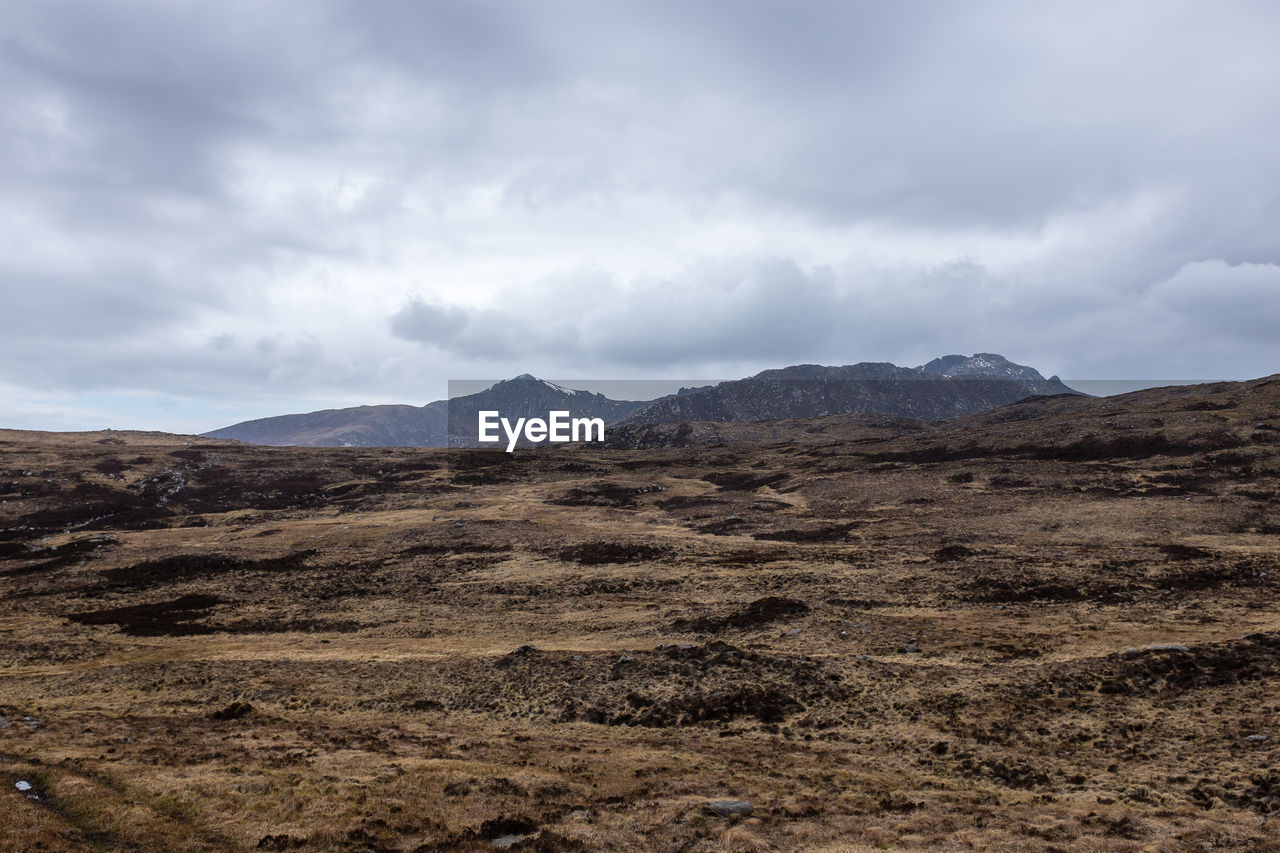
<point x="944" y="387"/>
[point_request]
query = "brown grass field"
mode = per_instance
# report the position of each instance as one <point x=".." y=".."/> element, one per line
<point x="883" y="634"/>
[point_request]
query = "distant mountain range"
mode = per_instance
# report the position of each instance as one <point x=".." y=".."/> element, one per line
<point x="945" y="387"/>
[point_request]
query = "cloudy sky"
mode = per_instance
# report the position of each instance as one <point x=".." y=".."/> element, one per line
<point x="216" y="211"/>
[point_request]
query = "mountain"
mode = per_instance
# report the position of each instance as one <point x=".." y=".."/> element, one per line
<point x="527" y="396"/>
<point x="436" y="424"/>
<point x="944" y="388"/>
<point x="360" y="426"/>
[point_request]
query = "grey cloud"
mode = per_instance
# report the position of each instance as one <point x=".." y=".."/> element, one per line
<point x="172" y="173"/>
<point x="1204" y="320"/>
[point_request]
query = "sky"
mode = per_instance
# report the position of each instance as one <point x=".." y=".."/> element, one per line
<point x="217" y="211"/>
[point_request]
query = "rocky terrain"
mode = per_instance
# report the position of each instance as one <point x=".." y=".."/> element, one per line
<point x="943" y="388"/>
<point x="1050" y="626"/>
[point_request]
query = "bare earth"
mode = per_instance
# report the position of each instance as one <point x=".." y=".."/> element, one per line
<point x="882" y="634"/>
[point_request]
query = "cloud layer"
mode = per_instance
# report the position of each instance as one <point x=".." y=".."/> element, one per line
<point x="222" y="211"/>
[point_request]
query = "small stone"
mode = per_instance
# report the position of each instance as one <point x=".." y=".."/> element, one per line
<point x="729" y="808"/>
<point x="791" y="633"/>
<point x="22" y="785"/>
<point x="1256" y="738"/>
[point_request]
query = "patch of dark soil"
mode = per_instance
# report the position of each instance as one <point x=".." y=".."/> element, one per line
<point x="861" y="603"/>
<point x="962" y="477"/>
<point x="747" y="557"/>
<point x="124" y="512"/>
<point x="391" y="467"/>
<point x="1086" y="449"/>
<point x="694" y="502"/>
<point x="58" y="556"/>
<point x="186" y="567"/>
<point x="1003" y="482"/>
<point x="1157" y="671"/>
<point x="1211" y="405"/>
<point x="1181" y="482"/>
<point x="762" y="611"/>
<point x="671" y="685"/>
<point x="598" y="553"/>
<point x="234" y="711"/>
<point x="766" y="703"/>
<point x="1262" y="795"/>
<point x="1209" y="577"/>
<point x="110" y="466"/>
<point x="440" y="548"/>
<point x="952" y="553"/>
<point x="525" y="830"/>
<point x="1117" y="827"/>
<point x="1184" y="552"/>
<point x="604" y="494"/>
<point x="174" y="618"/>
<point x="828" y="533"/>
<point x="481" y="478"/>
<point x="723" y="526"/>
<point x="645" y="461"/>
<point x="743" y="481"/>
<point x="17" y="551"/>
<point x="1001" y="590"/>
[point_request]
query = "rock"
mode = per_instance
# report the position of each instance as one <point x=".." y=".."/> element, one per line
<point x="1256" y="738"/>
<point x="506" y="842"/>
<point x="729" y="808"/>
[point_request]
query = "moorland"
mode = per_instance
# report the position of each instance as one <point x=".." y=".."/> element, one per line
<point x="1051" y="626"/>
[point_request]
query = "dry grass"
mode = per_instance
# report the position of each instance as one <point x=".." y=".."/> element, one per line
<point x="915" y="639"/>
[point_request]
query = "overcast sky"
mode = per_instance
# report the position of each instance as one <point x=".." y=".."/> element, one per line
<point x="217" y="211"/>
